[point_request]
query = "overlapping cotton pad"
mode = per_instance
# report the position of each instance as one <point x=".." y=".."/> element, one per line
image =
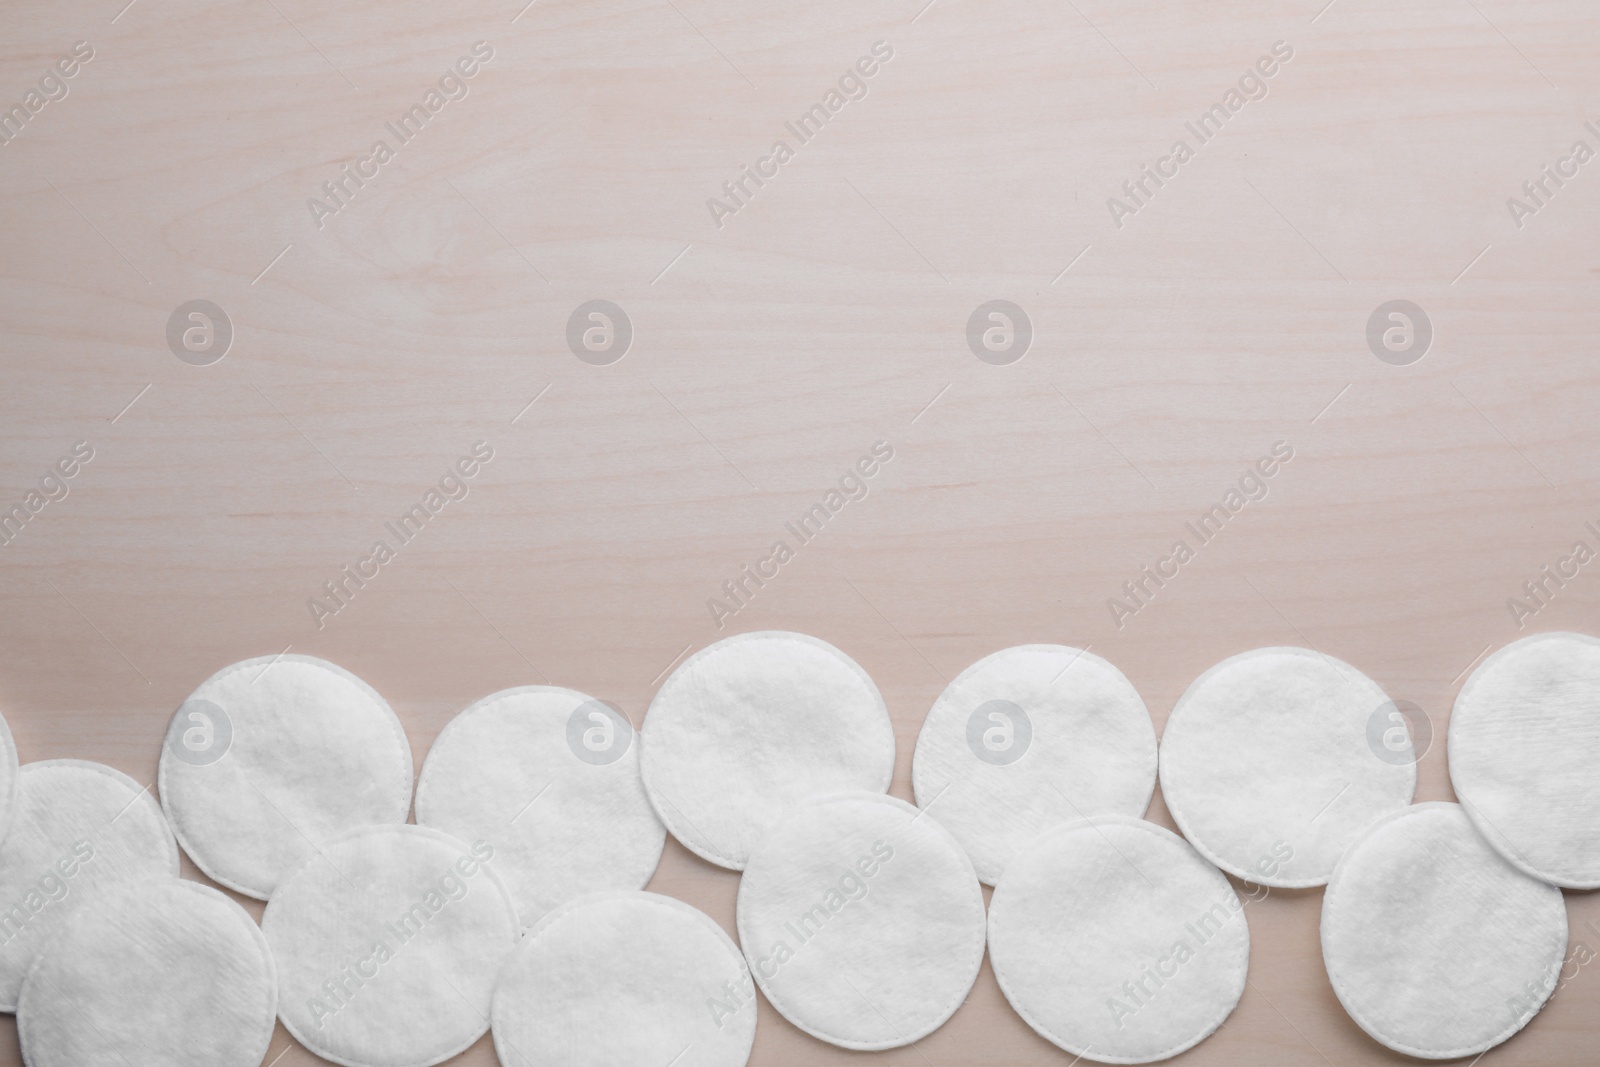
<point x="1436" y="945"/>
<point x="387" y="942"/>
<point x="550" y="778"/>
<point x="1114" y="939"/>
<point x="1524" y="752"/>
<point x="82" y="832"/>
<point x="272" y="756"/>
<point x="620" y="979"/>
<point x="1267" y="768"/>
<point x="1029" y="738"/>
<point x="752" y="725"/>
<point x="164" y="972"/>
<point x="862" y="920"/>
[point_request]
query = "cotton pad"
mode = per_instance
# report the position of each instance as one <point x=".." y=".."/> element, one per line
<point x="862" y="920"/>
<point x="623" y="979"/>
<point x="1524" y="745"/>
<point x="550" y="778"/>
<point x="388" y="941"/>
<point x="752" y="725"/>
<point x="1437" y="946"/>
<point x="82" y="832"/>
<point x="1026" y="739"/>
<point x="164" y="972"/>
<point x="1114" y="939"/>
<point x="1267" y="768"/>
<point x="8" y="778"/>
<point x="272" y="756"/>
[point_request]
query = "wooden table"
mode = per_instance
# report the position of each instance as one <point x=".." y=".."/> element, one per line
<point x="1175" y="340"/>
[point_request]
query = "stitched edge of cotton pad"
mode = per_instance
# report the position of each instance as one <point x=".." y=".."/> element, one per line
<point x="419" y="801"/>
<point x="944" y="1014"/>
<point x="1328" y="902"/>
<point x="706" y="852"/>
<point x="1082" y="654"/>
<point x="405" y="830"/>
<point x="133" y="787"/>
<point x="259" y="938"/>
<point x="1490" y="833"/>
<point x="1044" y="1031"/>
<point x="8" y="757"/>
<point x="1178" y="816"/>
<point x="176" y="819"/>
<point x="601" y="896"/>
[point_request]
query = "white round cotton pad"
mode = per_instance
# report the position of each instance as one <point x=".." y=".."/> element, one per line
<point x="165" y="972"/>
<point x="862" y="920"/>
<point x="1436" y="945"/>
<point x="1114" y="939"/>
<point x="388" y="941"/>
<point x="82" y="832"/>
<point x="623" y="979"/>
<point x="1029" y="738"/>
<point x="550" y="778"/>
<point x="1524" y="747"/>
<point x="1267" y="768"/>
<point x="272" y="756"/>
<point x="752" y="725"/>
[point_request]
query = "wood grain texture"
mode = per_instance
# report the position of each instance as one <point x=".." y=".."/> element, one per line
<point x="1226" y="314"/>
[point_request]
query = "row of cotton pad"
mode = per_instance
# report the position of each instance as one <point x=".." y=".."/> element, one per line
<point x="541" y="814"/>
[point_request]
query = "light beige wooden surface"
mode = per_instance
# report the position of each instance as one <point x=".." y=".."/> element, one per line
<point x="1225" y="315"/>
